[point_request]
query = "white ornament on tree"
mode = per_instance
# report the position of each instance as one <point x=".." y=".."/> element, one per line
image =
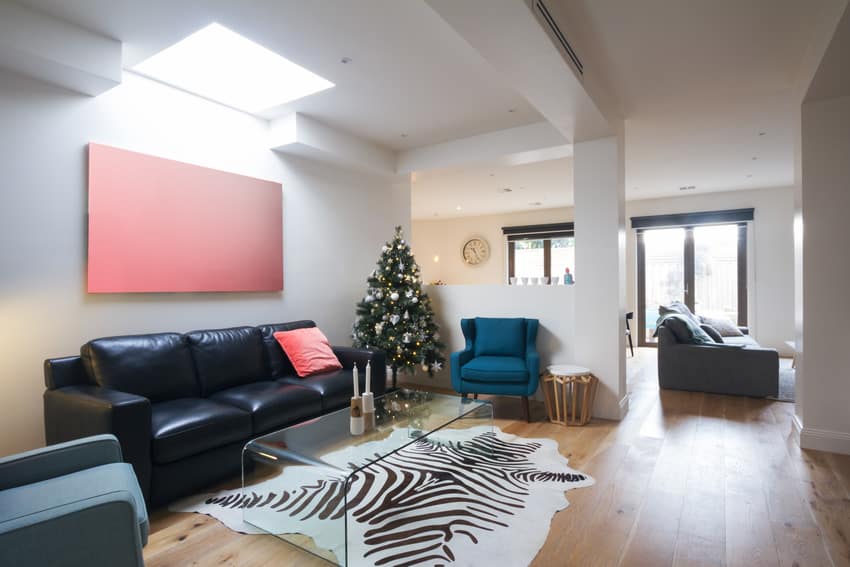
<point x="394" y="319"/>
<point x="394" y="296"/>
<point x="437" y="366"/>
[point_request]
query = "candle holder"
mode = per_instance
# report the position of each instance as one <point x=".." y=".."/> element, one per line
<point x="357" y="424"/>
<point x="369" y="411"/>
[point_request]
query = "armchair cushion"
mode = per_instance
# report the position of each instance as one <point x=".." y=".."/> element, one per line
<point x="75" y="487"/>
<point x="272" y="405"/>
<point x="189" y="426"/>
<point x="495" y="369"/>
<point x="499" y="337"/>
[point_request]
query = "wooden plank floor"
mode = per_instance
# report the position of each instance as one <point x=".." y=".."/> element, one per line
<point x="686" y="479"/>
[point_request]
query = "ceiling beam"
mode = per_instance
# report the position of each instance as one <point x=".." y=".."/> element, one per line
<point x="513" y="146"/>
<point x="297" y="134"/>
<point x="507" y="34"/>
<point x="57" y="52"/>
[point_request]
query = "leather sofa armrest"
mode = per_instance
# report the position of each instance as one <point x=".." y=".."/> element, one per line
<point x="58" y="460"/>
<point x="377" y="359"/>
<point x="79" y="411"/>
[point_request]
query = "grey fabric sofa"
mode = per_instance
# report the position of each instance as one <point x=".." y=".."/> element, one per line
<point x="750" y="370"/>
<point x="71" y="504"/>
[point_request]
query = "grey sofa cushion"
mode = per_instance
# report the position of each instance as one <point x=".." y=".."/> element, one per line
<point x="685" y="330"/>
<point x="712" y="332"/>
<point x="724" y="326"/>
<point x="677" y="308"/>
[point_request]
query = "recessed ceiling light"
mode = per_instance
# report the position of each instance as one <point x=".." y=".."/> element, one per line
<point x="749" y="175"/>
<point x="762" y="133"/>
<point x="345" y="60"/>
<point x="687" y="187"/>
<point x="512" y="110"/>
<point x="221" y="65"/>
<point x="404" y="135"/>
<point x="755" y="158"/>
<point x="458" y="208"/>
<point x="535" y="204"/>
<point x="492" y="174"/>
<point x="506" y="190"/>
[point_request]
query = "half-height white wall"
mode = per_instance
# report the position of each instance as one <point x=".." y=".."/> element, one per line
<point x="334" y="223"/>
<point x="552" y="305"/>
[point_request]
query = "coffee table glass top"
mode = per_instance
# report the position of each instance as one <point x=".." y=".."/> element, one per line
<point x="301" y="479"/>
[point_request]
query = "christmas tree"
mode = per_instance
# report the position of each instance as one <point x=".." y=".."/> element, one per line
<point x="395" y="316"/>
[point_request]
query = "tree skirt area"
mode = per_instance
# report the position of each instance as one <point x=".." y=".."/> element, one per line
<point x="459" y="497"/>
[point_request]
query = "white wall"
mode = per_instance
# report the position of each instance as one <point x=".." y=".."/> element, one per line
<point x="334" y="224"/>
<point x="825" y="364"/>
<point x="771" y="246"/>
<point x="445" y="238"/>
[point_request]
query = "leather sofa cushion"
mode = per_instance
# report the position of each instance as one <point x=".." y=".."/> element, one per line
<point x="272" y="405"/>
<point x="278" y="362"/>
<point x="188" y="426"/>
<point x="743" y="340"/>
<point x="495" y="369"/>
<point x="227" y="357"/>
<point x="499" y="337"/>
<point x="334" y="387"/>
<point x="158" y="366"/>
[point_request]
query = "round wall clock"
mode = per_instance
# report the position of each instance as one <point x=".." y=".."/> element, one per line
<point x="475" y="251"/>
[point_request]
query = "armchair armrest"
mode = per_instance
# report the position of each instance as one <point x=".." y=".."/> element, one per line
<point x="75" y="533"/>
<point x="377" y="359"/>
<point x="79" y="411"/>
<point x="456" y="362"/>
<point x="57" y="460"/>
<point x="532" y="362"/>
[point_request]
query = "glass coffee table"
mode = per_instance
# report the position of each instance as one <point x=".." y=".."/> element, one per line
<point x="343" y="497"/>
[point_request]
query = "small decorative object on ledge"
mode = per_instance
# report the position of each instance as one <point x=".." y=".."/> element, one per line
<point x="569" y="391"/>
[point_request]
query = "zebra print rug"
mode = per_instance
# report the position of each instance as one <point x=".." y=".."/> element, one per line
<point x="459" y="497"/>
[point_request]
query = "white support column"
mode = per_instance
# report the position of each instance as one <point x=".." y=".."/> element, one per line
<point x="600" y="294"/>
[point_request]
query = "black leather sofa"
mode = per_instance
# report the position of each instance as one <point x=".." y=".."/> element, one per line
<point x="183" y="405"/>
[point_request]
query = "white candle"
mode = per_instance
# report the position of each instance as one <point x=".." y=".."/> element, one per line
<point x="368" y="378"/>
<point x="356" y="382"/>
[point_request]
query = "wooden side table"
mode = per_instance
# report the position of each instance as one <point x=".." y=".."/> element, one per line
<point x="569" y="391"/>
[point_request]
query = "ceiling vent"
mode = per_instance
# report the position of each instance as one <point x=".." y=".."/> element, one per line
<point x="687" y="187"/>
<point x="545" y="17"/>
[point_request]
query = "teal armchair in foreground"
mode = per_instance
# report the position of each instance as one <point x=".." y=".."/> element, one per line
<point x="500" y="358"/>
<point x="71" y="504"/>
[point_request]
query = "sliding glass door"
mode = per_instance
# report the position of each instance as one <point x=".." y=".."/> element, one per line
<point x="663" y="259"/>
<point x="704" y="267"/>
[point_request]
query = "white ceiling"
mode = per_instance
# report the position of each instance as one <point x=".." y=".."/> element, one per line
<point x="697" y="82"/>
<point x="479" y="189"/>
<point x="410" y="72"/>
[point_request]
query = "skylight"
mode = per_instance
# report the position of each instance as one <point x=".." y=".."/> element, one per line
<point x="221" y="65"/>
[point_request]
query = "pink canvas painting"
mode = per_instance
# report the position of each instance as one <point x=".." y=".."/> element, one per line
<point x="157" y="225"/>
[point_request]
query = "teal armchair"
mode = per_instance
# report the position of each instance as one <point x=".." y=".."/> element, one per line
<point x="500" y="358"/>
<point x="71" y="504"/>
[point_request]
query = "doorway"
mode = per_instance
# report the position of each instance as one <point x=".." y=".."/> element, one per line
<point x="702" y="266"/>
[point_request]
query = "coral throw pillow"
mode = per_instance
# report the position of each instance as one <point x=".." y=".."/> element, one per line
<point x="308" y="350"/>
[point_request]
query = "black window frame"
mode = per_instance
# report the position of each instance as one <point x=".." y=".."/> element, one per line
<point x="544" y="232"/>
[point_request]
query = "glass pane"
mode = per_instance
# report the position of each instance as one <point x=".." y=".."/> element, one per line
<point x="665" y="272"/>
<point x="563" y="257"/>
<point x="716" y="271"/>
<point x="528" y="259"/>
